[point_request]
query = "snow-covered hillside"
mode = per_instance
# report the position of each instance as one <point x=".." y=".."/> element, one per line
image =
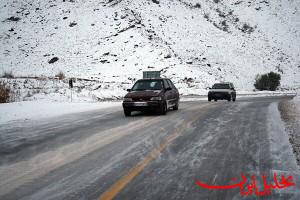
<point x="111" y="42"/>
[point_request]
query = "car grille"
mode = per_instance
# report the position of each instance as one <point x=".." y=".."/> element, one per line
<point x="220" y="93"/>
<point x="141" y="99"/>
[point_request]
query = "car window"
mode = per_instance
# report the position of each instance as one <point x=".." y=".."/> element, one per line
<point x="170" y="83"/>
<point x="221" y="86"/>
<point x="147" y="85"/>
<point x="166" y="84"/>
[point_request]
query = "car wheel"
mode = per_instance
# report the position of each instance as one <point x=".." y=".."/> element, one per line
<point x="209" y="99"/>
<point x="176" y="106"/>
<point x="163" y="109"/>
<point x="127" y="113"/>
<point x="233" y="99"/>
<point x="216" y="99"/>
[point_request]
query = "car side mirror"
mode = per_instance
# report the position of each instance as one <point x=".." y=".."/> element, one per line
<point x="128" y="90"/>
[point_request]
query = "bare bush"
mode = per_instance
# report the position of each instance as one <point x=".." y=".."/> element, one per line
<point x="4" y="93"/>
<point x="247" y="28"/>
<point x="224" y="26"/>
<point x="13" y="19"/>
<point x="197" y="5"/>
<point x="60" y="76"/>
<point x="8" y="75"/>
<point x="206" y="16"/>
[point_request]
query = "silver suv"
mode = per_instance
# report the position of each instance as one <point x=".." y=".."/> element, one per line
<point x="222" y="91"/>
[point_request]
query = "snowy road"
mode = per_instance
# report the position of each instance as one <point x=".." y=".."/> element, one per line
<point x="103" y="155"/>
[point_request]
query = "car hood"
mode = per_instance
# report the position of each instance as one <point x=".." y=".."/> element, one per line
<point x="143" y="94"/>
<point x="219" y="90"/>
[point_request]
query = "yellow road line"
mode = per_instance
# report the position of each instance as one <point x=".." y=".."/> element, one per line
<point x="133" y="172"/>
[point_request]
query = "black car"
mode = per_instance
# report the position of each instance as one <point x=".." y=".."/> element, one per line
<point x="157" y="94"/>
<point x="222" y="91"/>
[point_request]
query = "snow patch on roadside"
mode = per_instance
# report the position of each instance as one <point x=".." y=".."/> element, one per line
<point x="266" y="93"/>
<point x="280" y="148"/>
<point x="33" y="110"/>
<point x="290" y="114"/>
<point x="240" y="94"/>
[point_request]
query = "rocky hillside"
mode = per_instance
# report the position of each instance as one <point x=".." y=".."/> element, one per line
<point x="111" y="42"/>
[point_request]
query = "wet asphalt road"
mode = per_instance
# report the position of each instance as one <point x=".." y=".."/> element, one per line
<point x="103" y="155"/>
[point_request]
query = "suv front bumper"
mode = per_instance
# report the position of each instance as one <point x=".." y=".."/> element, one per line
<point x="219" y="95"/>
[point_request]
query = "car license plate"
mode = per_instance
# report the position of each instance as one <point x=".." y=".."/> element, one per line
<point x="140" y="104"/>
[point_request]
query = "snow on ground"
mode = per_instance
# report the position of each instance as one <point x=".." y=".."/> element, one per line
<point x="25" y="89"/>
<point x="28" y="89"/>
<point x="195" y="43"/>
<point x="33" y="110"/>
<point x="42" y="107"/>
<point x="290" y="113"/>
<point x="240" y="94"/>
<point x="280" y="147"/>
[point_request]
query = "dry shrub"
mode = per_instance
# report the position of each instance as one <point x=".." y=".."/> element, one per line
<point x="4" y="93"/>
<point x="60" y="76"/>
<point x="8" y="75"/>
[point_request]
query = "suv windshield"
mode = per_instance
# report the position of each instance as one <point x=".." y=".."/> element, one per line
<point x="147" y="85"/>
<point x="221" y="86"/>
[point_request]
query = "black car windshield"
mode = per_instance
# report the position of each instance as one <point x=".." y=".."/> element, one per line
<point x="221" y="86"/>
<point x="147" y="85"/>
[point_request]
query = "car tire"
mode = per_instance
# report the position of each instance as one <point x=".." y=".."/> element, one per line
<point x="233" y="99"/>
<point x="209" y="99"/>
<point x="127" y="113"/>
<point x="176" y="106"/>
<point x="216" y="99"/>
<point x="229" y="98"/>
<point x="163" y="109"/>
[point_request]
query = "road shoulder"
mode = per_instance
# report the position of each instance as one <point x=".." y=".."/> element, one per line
<point x="290" y="114"/>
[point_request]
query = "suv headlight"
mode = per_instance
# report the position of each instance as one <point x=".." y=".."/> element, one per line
<point x="127" y="99"/>
<point x="155" y="98"/>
